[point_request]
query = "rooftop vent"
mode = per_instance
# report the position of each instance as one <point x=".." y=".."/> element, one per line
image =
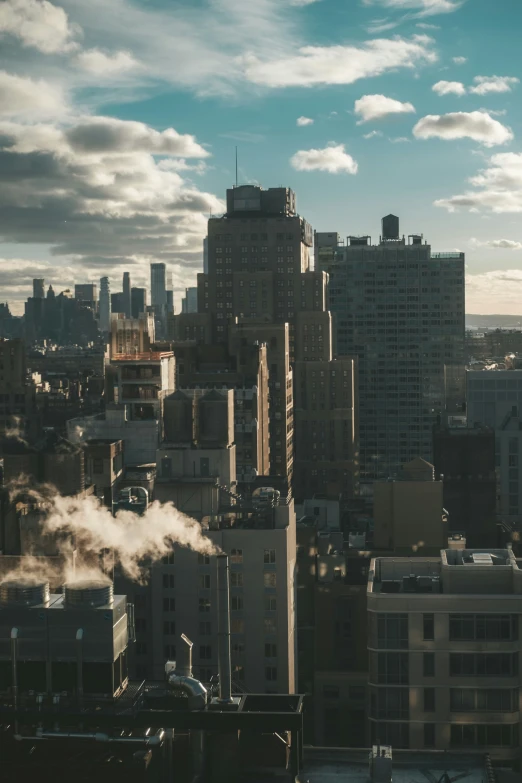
<point x="24" y="592"/>
<point x="88" y="593"/>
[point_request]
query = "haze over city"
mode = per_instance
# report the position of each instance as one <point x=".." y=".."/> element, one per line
<point x="119" y="123"/>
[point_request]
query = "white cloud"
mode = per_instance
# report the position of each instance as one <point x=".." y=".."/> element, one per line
<point x="449" y="88"/>
<point x="497" y="188"/>
<point x="303" y="2"/>
<point x="499" y="290"/>
<point x="427" y="26"/>
<point x="38" y="24"/>
<point x="302" y="121"/>
<point x="422" y="7"/>
<point x="109" y="135"/>
<point x="487" y="84"/>
<point x="339" y="64"/>
<point x="29" y="98"/>
<point x="372" y="134"/>
<point x="333" y="159"/>
<point x="399" y="140"/>
<point x="106" y="64"/>
<point x="374" y="107"/>
<point x="475" y="125"/>
<point x="497" y="244"/>
<point x="459" y="60"/>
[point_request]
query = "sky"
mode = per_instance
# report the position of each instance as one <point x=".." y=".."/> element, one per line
<point x="119" y="121"/>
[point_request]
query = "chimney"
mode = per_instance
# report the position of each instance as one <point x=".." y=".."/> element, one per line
<point x="224" y="664"/>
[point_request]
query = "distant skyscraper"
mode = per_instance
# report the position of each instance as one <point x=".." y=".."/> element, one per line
<point x="87" y="293"/>
<point x="117" y="303"/>
<point x="170" y="300"/>
<point x="158" y="296"/>
<point x="189" y="303"/>
<point x="138" y="301"/>
<point x="105" y="305"/>
<point x="127" y="304"/>
<point x="205" y="256"/>
<point x="399" y="308"/>
<point x="39" y="288"/>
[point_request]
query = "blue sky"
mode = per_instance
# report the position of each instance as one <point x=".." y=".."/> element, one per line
<point x="119" y="122"/>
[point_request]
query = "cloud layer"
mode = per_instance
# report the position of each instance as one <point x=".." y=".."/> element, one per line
<point x="38" y="24"/>
<point x="375" y="107"/>
<point x="497" y="188"/>
<point x="449" y="88"/>
<point x="303" y="121"/>
<point x="488" y="84"/>
<point x="476" y="125"/>
<point x="333" y="159"/>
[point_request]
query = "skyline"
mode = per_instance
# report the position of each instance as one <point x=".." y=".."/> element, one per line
<point x="117" y="141"/>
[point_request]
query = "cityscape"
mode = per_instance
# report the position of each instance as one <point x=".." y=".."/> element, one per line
<point x="260" y="479"/>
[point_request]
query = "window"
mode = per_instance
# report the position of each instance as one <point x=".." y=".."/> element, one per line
<point x="238" y="648"/>
<point x="271" y="673"/>
<point x="238" y="673"/>
<point x="237" y="625"/>
<point x="236" y="556"/>
<point x="169" y="628"/>
<point x="483" y="664"/>
<point x="330" y="692"/>
<point x="204" y="604"/>
<point x="205" y="652"/>
<point x="270" y="625"/>
<point x="392" y="668"/>
<point x="429" y="699"/>
<point x="497" y="735"/>
<point x="204" y="581"/>
<point x="429" y="664"/>
<point x="269" y="579"/>
<point x="489" y="627"/>
<point x="270" y="603"/>
<point x="429" y="735"/>
<point x="236" y="579"/>
<point x="483" y="700"/>
<point x="205" y="628"/>
<point x="236" y="603"/>
<point x="169" y="604"/>
<point x="270" y="650"/>
<point x="204" y="560"/>
<point x="390" y="703"/>
<point x="428" y="621"/>
<point x="168" y="581"/>
<point x="168" y="559"/>
<point x="141" y="648"/>
<point x="170" y="652"/>
<point x="97" y="465"/>
<point x="270" y="556"/>
<point x="392" y="631"/>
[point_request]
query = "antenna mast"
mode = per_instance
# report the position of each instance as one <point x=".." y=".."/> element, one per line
<point x="236" y="166"/>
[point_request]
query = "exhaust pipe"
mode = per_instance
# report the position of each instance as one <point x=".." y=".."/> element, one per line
<point x="224" y="659"/>
<point x="185" y="669"/>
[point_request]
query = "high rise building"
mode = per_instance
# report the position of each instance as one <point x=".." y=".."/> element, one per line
<point x="158" y="296"/>
<point x="127" y="301"/>
<point x="105" y="305"/>
<point x="444" y="648"/>
<point x="138" y="301"/>
<point x="189" y="303"/>
<point x="87" y="293"/>
<point x="399" y="308"/>
<point x="39" y="288"/>
<point x="131" y="336"/>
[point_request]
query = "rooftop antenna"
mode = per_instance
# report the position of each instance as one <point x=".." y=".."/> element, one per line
<point x="236" y="166"/>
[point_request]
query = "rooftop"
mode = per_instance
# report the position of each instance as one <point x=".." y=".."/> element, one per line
<point x="150" y="356"/>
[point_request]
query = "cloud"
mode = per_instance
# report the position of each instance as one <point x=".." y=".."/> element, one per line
<point x="422" y="7"/>
<point x="339" y="64"/>
<point x="107" y="134"/>
<point x="374" y="107"/>
<point x="400" y="140"/>
<point x="29" y="98"/>
<point x="427" y="26"/>
<point x="449" y="88"/>
<point x="499" y="290"/>
<point x="103" y="64"/>
<point x="488" y="84"/>
<point x="95" y="194"/>
<point x="459" y="60"/>
<point x="372" y="134"/>
<point x="497" y="188"/>
<point x="475" y="125"/>
<point x="333" y="159"/>
<point x="246" y="136"/>
<point x="303" y="2"/>
<point x="500" y="244"/>
<point x="38" y="24"/>
<point x="302" y="121"/>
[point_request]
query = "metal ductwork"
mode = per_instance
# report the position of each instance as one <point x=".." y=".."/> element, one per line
<point x="194" y="689"/>
<point x="87" y="593"/>
<point x="224" y="658"/>
<point x="24" y="592"/>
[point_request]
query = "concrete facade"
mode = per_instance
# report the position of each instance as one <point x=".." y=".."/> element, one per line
<point x="445" y="651"/>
